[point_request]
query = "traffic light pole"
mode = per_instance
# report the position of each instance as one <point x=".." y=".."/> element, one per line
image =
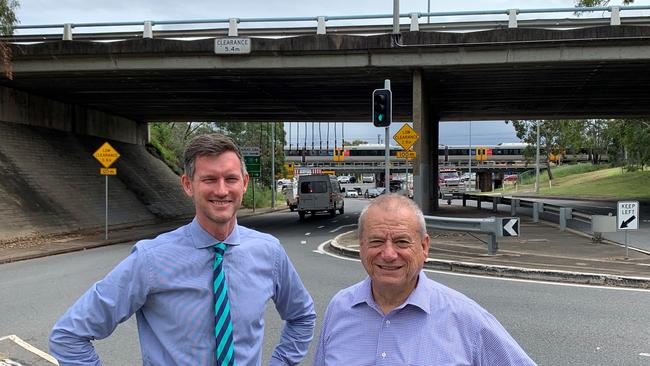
<point x="387" y="145"/>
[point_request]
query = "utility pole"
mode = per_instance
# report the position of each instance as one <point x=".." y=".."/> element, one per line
<point x="469" y="163"/>
<point x="274" y="185"/>
<point x="537" y="161"/>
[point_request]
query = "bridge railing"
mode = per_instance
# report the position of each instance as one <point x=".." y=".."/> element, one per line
<point x="292" y="26"/>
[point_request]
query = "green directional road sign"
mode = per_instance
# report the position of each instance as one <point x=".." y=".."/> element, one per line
<point x="253" y="166"/>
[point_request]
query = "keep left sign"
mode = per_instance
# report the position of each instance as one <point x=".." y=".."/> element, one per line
<point x="627" y="216"/>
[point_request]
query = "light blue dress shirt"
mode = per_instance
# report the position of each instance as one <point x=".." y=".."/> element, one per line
<point x="167" y="283"/>
<point x="434" y="326"/>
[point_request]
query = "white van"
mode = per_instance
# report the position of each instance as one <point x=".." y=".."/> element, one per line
<point x="319" y="192"/>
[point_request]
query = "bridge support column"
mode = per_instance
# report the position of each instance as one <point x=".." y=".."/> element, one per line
<point x="425" y="190"/>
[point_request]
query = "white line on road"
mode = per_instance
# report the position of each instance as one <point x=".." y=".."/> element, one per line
<point x="341" y="227"/>
<point x="17" y="340"/>
<point x="322" y="245"/>
<point x="644" y="354"/>
<point x="323" y="251"/>
<point x="320" y="227"/>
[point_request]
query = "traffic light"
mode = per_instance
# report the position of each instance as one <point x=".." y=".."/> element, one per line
<point x="381" y="107"/>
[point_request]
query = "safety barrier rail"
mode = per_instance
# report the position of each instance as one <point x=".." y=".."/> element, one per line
<point x="492" y="226"/>
<point x="231" y="26"/>
<point x="563" y="213"/>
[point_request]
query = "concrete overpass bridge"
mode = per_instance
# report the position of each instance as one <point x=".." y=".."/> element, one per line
<point x="513" y="70"/>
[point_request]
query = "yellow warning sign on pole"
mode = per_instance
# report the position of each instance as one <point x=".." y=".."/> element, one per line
<point x="406" y="137"/>
<point x="106" y="155"/>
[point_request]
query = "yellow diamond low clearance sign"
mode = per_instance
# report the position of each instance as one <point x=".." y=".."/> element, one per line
<point x="106" y="155"/>
<point x="406" y="137"/>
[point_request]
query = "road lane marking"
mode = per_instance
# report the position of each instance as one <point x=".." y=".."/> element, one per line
<point x="30" y="348"/>
<point x="322" y="245"/>
<point x="644" y="354"/>
<point x="341" y="227"/>
<point x="320" y="227"/>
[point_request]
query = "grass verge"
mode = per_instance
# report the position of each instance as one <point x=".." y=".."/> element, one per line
<point x="587" y="181"/>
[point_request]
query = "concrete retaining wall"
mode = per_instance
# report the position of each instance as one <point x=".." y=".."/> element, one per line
<point x="33" y="110"/>
<point x="51" y="183"/>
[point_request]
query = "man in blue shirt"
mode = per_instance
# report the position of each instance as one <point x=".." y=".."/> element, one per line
<point x="397" y="316"/>
<point x="168" y="281"/>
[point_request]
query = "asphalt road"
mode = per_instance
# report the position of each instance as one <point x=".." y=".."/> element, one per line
<point x="555" y="324"/>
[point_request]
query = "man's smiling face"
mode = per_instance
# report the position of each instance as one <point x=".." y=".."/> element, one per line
<point x="392" y="248"/>
<point x="217" y="188"/>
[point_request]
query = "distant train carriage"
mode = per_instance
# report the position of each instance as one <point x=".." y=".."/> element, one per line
<point x="503" y="153"/>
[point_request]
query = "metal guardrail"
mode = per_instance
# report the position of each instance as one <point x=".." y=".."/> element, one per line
<point x="564" y="213"/>
<point x="492" y="226"/>
<point x="231" y="26"/>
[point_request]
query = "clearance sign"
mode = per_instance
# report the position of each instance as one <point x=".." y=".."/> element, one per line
<point x="106" y="155"/>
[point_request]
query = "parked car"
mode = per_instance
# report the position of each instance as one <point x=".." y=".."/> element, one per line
<point x="351" y="193"/>
<point x="368" y="178"/>
<point x="343" y="179"/>
<point x="319" y="192"/>
<point x="372" y="192"/>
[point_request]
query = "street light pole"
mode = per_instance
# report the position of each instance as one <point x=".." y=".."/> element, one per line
<point x="273" y="184"/>
<point x="395" y="16"/>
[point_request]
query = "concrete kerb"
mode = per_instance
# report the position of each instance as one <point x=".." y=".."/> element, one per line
<point x="515" y="272"/>
<point x="102" y="243"/>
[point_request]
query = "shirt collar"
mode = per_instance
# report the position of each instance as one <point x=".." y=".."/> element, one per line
<point x="203" y="239"/>
<point x="419" y="297"/>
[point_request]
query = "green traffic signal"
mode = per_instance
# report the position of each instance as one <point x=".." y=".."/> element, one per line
<point x="381" y="107"/>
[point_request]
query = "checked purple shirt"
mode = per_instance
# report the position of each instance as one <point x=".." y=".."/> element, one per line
<point x="434" y="326"/>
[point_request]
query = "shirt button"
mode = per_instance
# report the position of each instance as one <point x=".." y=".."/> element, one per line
<point x="387" y="322"/>
<point x="383" y="355"/>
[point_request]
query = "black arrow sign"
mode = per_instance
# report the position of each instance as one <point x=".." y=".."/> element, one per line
<point x="510" y="227"/>
<point x="624" y="223"/>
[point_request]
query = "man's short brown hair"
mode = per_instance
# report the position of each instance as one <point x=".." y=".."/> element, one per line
<point x="213" y="144"/>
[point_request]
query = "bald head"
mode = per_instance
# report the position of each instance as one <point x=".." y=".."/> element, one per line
<point x="392" y="203"/>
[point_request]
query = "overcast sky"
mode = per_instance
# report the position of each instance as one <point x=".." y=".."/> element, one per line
<point x="33" y="12"/>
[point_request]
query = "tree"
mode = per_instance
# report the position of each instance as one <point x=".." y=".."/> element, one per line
<point x="7" y="22"/>
<point x="599" y="2"/>
<point x="628" y="142"/>
<point x="556" y="137"/>
<point x="354" y="143"/>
